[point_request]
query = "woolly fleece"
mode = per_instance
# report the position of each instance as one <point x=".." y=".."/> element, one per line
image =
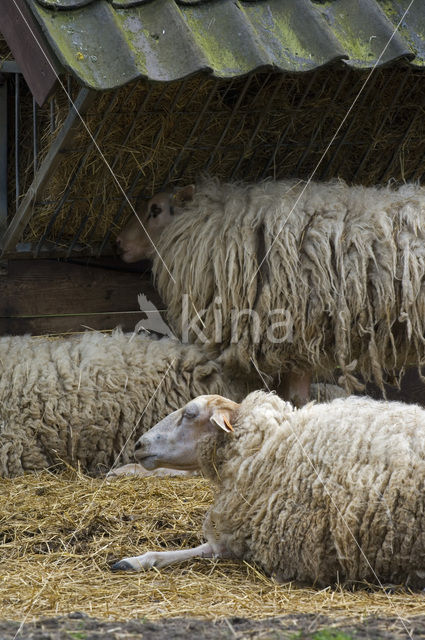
<point x="327" y="493"/>
<point x="345" y="264"/>
<point x="82" y="400"/>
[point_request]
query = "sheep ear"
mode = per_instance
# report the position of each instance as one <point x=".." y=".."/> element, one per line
<point x="221" y="419"/>
<point x="184" y="195"/>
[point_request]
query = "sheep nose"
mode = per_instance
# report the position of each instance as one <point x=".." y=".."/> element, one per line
<point x="119" y="246"/>
<point x="137" y="450"/>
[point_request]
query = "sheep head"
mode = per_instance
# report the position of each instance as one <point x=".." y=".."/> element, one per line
<point x="138" y="238"/>
<point x="174" y="442"/>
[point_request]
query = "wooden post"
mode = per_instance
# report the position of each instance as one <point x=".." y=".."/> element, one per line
<point x="3" y="165"/>
<point x="3" y="155"/>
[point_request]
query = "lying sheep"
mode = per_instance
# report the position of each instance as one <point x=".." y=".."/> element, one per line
<point x="297" y="277"/>
<point x="87" y="399"/>
<point x="324" y="494"/>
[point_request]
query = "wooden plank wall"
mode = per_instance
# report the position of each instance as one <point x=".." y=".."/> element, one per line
<point x="50" y="296"/>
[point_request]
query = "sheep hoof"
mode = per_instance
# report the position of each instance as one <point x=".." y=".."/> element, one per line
<point x="122" y="565"/>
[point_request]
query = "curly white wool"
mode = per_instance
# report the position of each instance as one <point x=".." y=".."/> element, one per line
<point x="327" y="493"/>
<point x="85" y="400"/>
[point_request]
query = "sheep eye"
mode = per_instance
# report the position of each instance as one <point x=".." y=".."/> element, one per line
<point x="191" y="412"/>
<point x="155" y="211"/>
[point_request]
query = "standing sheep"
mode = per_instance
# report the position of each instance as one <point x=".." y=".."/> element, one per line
<point x="300" y="277"/>
<point x="87" y="399"/>
<point x="327" y="493"/>
<point x="138" y="238"/>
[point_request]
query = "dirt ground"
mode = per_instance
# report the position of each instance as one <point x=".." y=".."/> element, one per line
<point x="78" y="626"/>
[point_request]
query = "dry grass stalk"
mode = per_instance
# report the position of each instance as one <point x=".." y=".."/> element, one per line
<point x="59" y="534"/>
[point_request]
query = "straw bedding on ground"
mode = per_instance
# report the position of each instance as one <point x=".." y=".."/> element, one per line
<point x="59" y="534"/>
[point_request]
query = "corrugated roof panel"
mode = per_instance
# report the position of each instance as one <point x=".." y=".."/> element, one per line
<point x="89" y="44"/>
<point x="161" y="45"/>
<point x="107" y="43"/>
<point x="412" y="27"/>
<point x="226" y="38"/>
<point x="364" y="32"/>
<point x="292" y="34"/>
<point x="59" y="5"/>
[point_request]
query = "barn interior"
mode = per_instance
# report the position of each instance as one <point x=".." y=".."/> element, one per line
<point x="164" y="92"/>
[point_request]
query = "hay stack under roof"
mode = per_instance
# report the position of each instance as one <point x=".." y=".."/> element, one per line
<point x="59" y="534"/>
<point x="248" y="128"/>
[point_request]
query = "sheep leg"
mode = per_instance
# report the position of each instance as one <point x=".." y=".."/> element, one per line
<point x="160" y="559"/>
<point x="133" y="469"/>
<point x="296" y="388"/>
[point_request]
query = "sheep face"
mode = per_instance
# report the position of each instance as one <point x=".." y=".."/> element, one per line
<point x="138" y="238"/>
<point x="173" y="442"/>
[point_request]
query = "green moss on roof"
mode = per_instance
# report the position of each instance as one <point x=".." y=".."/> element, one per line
<point x="411" y="28"/>
<point x="213" y="37"/>
<point x="358" y="49"/>
<point x="106" y="47"/>
<point x="292" y="41"/>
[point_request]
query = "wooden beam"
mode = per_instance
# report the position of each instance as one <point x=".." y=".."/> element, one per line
<point x="52" y="287"/>
<point x="52" y="159"/>
<point x="3" y="159"/>
<point x="9" y="66"/>
<point x="50" y="326"/>
<point x="50" y="296"/>
<point x="30" y="50"/>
